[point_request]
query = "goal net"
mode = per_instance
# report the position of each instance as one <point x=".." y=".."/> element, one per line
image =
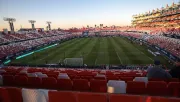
<point x="73" y="61"/>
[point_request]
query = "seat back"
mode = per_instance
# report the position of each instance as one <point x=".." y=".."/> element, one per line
<point x="112" y="78"/>
<point x="34" y="82"/>
<point x="8" y="80"/>
<point x="157" y="88"/>
<point x="174" y="89"/>
<point x="1" y="80"/>
<point x="32" y="75"/>
<point x="2" y="71"/>
<point x="81" y="85"/>
<point x="64" y="84"/>
<point x="42" y="76"/>
<point x="98" y="85"/>
<point x="100" y="77"/>
<point x="116" y="86"/>
<point x="125" y="98"/>
<point x="33" y="95"/>
<point x="126" y="79"/>
<point x="49" y="83"/>
<point x="15" y="94"/>
<point x="136" y="87"/>
<point x="141" y="79"/>
<point x="91" y="97"/>
<point x="63" y="76"/>
<point x="4" y="96"/>
<point x="60" y="96"/>
<point x="21" y="80"/>
<point x="161" y="99"/>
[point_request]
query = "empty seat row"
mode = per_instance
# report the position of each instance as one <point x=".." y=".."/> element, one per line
<point x="31" y="95"/>
<point x="52" y="83"/>
<point x="132" y="87"/>
<point x="86" y="75"/>
<point x="154" y="88"/>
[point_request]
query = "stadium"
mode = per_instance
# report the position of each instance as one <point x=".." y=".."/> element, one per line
<point x="136" y="63"/>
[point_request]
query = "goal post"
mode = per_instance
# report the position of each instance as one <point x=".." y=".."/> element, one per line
<point x="73" y="61"/>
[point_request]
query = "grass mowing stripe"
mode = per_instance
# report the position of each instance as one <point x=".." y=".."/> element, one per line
<point x="124" y="58"/>
<point x="113" y="58"/>
<point x="103" y="57"/>
<point x="98" y="59"/>
<point x="119" y="57"/>
<point x="146" y="59"/>
<point x="128" y="51"/>
<point x="78" y="48"/>
<point x="85" y="50"/>
<point x="92" y="56"/>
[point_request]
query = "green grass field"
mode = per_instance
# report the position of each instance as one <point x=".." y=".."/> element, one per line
<point x="95" y="51"/>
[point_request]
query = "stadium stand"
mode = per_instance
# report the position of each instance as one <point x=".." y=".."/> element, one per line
<point x="157" y="88"/>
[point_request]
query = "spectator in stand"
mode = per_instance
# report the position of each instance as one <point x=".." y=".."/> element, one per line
<point x="175" y="71"/>
<point x="157" y="71"/>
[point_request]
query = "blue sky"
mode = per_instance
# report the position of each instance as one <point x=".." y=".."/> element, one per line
<point x="75" y="13"/>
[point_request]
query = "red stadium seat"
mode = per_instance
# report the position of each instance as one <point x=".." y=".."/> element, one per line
<point x="21" y="80"/>
<point x="87" y="77"/>
<point x="64" y="84"/>
<point x="92" y="97"/>
<point x="125" y="98"/>
<point x="8" y="80"/>
<point x="173" y="80"/>
<point x="81" y="85"/>
<point x="157" y="88"/>
<point x="15" y="94"/>
<point x="174" y="89"/>
<point x="4" y="96"/>
<point x="126" y="79"/>
<point x="52" y="75"/>
<point x="100" y="78"/>
<point x="156" y="79"/>
<point x="136" y="87"/>
<point x="57" y="96"/>
<point x="98" y="85"/>
<point x="34" y="82"/>
<point x="112" y="78"/>
<point x="49" y="83"/>
<point x="77" y="77"/>
<point x="161" y="99"/>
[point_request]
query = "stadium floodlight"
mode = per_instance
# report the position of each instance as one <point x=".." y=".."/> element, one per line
<point x="10" y="20"/>
<point x="49" y="25"/>
<point x="32" y="23"/>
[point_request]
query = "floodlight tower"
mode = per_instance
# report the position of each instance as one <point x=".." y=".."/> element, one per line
<point x="32" y="23"/>
<point x="49" y="24"/>
<point x="10" y="20"/>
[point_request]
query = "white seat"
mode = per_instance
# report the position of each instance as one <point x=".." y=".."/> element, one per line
<point x="116" y="86"/>
<point x="38" y="73"/>
<point x="23" y="71"/>
<point x="141" y="79"/>
<point x="1" y="80"/>
<point x="32" y="75"/>
<point x="103" y="72"/>
<point x="63" y="76"/>
<point x="101" y="75"/>
<point x="34" y="95"/>
<point x="42" y="76"/>
<point x="2" y="71"/>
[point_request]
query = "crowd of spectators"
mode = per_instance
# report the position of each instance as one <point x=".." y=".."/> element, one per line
<point x="28" y="41"/>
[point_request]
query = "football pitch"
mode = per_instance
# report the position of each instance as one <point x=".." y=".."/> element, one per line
<point x="94" y="51"/>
